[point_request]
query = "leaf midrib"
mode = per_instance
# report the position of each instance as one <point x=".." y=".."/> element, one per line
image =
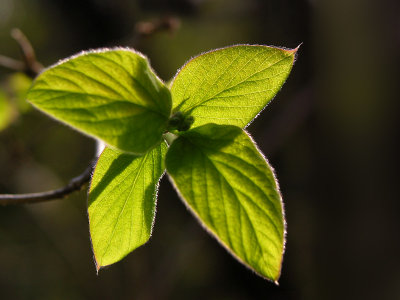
<point x="202" y="102"/>
<point x="84" y="94"/>
<point x="277" y="231"/>
<point x="126" y="200"/>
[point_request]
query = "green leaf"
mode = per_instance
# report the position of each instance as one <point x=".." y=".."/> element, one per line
<point x="122" y="201"/>
<point x="109" y="94"/>
<point x="230" y="86"/>
<point x="19" y="85"/>
<point x="6" y="111"/>
<point x="230" y="187"/>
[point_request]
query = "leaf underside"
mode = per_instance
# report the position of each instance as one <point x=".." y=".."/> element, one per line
<point x="122" y="201"/>
<point x="109" y="94"/>
<point x="230" y="187"/>
<point x="230" y="86"/>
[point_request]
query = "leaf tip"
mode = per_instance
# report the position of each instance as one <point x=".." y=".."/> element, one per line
<point x="98" y="265"/>
<point x="297" y="48"/>
<point x="294" y="50"/>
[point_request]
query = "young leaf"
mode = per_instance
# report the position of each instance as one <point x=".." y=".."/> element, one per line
<point x="230" y="187"/>
<point x="232" y="85"/>
<point x="122" y="201"/>
<point x="19" y="84"/>
<point x="5" y="111"/>
<point x="110" y="94"/>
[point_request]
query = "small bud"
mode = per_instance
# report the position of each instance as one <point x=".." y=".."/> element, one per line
<point x="179" y="122"/>
<point x="175" y="120"/>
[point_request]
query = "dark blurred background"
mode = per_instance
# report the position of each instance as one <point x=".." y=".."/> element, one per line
<point x="331" y="134"/>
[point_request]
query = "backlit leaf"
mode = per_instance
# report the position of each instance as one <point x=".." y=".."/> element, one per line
<point x="109" y="94"/>
<point x="122" y="201"/>
<point x="19" y="84"/>
<point x="5" y="111"/>
<point x="229" y="186"/>
<point x="230" y="85"/>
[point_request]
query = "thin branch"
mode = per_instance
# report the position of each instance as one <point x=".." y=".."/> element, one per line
<point x="75" y="184"/>
<point x="32" y="66"/>
<point x="167" y="23"/>
<point x="29" y="65"/>
<point x="12" y="64"/>
<point x="145" y="29"/>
